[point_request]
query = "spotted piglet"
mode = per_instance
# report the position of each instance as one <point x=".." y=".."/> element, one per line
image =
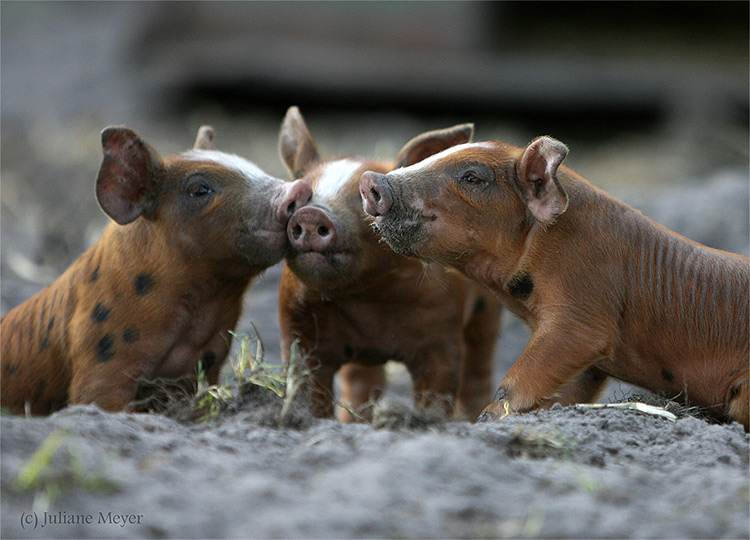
<point x="353" y="303"/>
<point x="159" y="291"/>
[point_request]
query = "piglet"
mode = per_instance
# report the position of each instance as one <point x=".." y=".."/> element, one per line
<point x="160" y="290"/>
<point x="605" y="290"/>
<point x="352" y="303"/>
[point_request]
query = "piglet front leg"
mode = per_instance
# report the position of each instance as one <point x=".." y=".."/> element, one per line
<point x="436" y="378"/>
<point x="557" y="353"/>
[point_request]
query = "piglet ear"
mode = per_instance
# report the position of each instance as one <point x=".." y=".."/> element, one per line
<point x="296" y="145"/>
<point x="429" y="143"/>
<point x="205" y="139"/>
<point x="125" y="185"/>
<point x="537" y="179"/>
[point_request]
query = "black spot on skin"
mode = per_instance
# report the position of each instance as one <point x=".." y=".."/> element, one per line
<point x="45" y="340"/>
<point x="105" y="348"/>
<point x="144" y="282"/>
<point x="480" y="305"/>
<point x="667" y="375"/>
<point x="520" y="286"/>
<point x="100" y="313"/>
<point x="348" y="351"/>
<point x="130" y="335"/>
<point x="10" y="369"/>
<point x="208" y="359"/>
<point x="94" y="275"/>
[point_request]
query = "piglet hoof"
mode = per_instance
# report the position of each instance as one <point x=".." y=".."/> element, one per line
<point x="497" y="410"/>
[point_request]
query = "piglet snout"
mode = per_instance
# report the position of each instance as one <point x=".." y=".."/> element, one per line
<point x="293" y="195"/>
<point x="312" y="229"/>
<point x="376" y="195"/>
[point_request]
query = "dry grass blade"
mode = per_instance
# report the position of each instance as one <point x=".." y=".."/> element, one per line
<point x="250" y="371"/>
<point x="637" y="405"/>
<point x="296" y="376"/>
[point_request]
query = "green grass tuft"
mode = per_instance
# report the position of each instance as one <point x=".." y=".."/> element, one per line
<point x="40" y="475"/>
<point x="250" y="370"/>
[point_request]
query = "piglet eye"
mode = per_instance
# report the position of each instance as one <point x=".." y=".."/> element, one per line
<point x="469" y="177"/>
<point x="199" y="190"/>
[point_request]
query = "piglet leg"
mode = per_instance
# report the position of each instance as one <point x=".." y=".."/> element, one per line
<point x="557" y="353"/>
<point x="435" y="379"/>
<point x="361" y="387"/>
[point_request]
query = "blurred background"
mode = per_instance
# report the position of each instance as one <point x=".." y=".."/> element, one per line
<point x="651" y="98"/>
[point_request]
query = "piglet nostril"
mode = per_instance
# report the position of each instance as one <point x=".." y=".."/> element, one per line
<point x="296" y="231"/>
<point x="375" y="192"/>
<point x="291" y="197"/>
<point x="323" y="230"/>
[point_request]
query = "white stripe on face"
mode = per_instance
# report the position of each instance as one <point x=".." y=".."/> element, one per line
<point x="230" y="161"/>
<point x="335" y="176"/>
<point x="417" y="167"/>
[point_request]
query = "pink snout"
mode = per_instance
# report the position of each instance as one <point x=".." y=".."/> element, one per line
<point x="376" y="195"/>
<point x="293" y="195"/>
<point x="312" y="229"/>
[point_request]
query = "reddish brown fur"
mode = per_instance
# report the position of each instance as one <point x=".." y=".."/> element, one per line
<point x="383" y="306"/>
<point x="150" y="299"/>
<point x="611" y="292"/>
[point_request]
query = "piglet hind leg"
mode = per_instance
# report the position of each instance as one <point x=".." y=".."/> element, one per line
<point x="108" y="386"/>
<point x="554" y="356"/>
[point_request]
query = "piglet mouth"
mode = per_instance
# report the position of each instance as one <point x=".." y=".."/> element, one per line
<point x="403" y="230"/>
<point x="403" y="218"/>
<point x="333" y="258"/>
<point x="326" y="270"/>
<point x="414" y="220"/>
<point x="262" y="247"/>
<point x="272" y="237"/>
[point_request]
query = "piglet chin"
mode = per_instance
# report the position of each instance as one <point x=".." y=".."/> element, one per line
<point x="325" y="271"/>
<point x="402" y="235"/>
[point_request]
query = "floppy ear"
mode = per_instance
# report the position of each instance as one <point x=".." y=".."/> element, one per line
<point x="296" y="145"/>
<point x="205" y="139"/>
<point x="429" y="143"/>
<point x="125" y="184"/>
<point x="537" y="179"/>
